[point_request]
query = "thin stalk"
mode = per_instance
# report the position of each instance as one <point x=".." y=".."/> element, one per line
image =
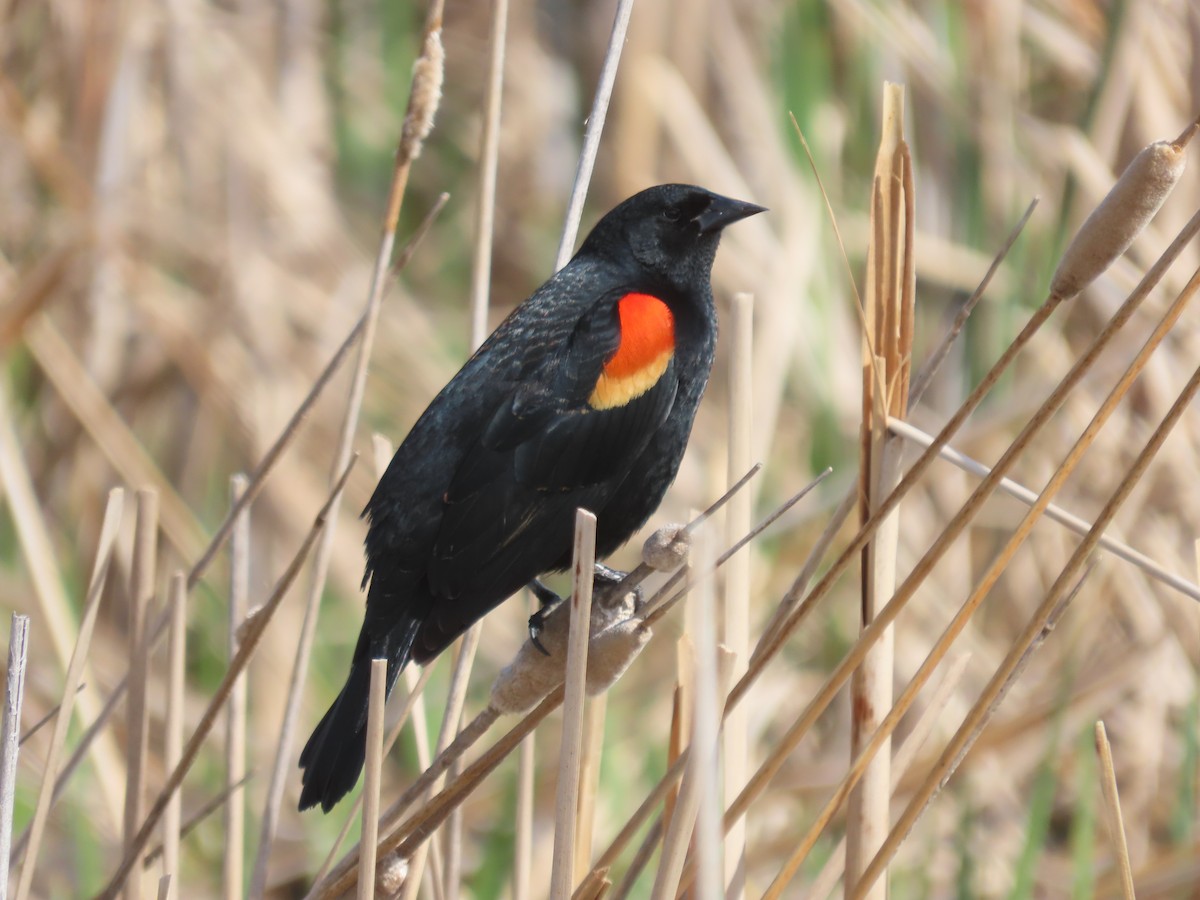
<point x="145" y="577"/>
<point x="235" y="712"/>
<point x="371" y="779"/>
<point x="173" y="739"/>
<point x="566" y="805"/>
<point x="1112" y="806"/>
<point x="736" y="631"/>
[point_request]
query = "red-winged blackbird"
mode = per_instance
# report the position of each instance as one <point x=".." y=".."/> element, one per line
<point x="584" y="396"/>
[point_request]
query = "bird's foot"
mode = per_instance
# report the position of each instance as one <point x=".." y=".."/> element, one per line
<point x="549" y="601"/>
<point x="667" y="549"/>
<point x="602" y="576"/>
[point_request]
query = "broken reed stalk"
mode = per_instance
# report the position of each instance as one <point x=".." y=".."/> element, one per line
<point x="173" y="726"/>
<point x="423" y="99"/>
<point x="372" y="773"/>
<point x="981" y="590"/>
<point x="566" y="806"/>
<point x="54" y="611"/>
<point x="887" y="357"/>
<point x="595" y="127"/>
<point x="736" y="631"/>
<point x="986" y="704"/>
<point x="10" y="736"/>
<point x="235" y="712"/>
<point x="711" y="679"/>
<point x="249" y="643"/>
<point x="104" y="552"/>
<point x="1112" y="810"/>
<point x="595" y="710"/>
<point x="141" y="599"/>
<point x="1057" y="513"/>
<point x="906" y="754"/>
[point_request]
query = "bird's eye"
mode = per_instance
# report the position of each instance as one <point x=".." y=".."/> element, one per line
<point x="672" y="214"/>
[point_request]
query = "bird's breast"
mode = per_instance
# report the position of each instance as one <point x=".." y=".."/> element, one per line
<point x="645" y="350"/>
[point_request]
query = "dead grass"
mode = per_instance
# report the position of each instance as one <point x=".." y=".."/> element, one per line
<point x="193" y="204"/>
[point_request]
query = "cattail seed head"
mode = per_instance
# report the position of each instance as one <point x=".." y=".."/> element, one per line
<point x="1122" y="214"/>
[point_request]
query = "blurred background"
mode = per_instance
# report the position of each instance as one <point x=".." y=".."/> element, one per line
<point x="192" y="198"/>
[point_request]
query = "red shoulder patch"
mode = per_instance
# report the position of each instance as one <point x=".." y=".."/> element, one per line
<point x="647" y="345"/>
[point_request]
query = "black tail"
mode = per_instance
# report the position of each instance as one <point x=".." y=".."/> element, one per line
<point x="334" y="755"/>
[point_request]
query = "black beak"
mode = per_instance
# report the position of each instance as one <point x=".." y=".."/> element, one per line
<point x="722" y="211"/>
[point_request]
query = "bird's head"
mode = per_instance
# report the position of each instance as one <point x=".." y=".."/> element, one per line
<point x="670" y="231"/>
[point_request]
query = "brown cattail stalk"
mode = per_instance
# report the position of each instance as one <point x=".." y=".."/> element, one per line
<point x="887" y="360"/>
<point x="145" y="576"/>
<point x="173" y="738"/>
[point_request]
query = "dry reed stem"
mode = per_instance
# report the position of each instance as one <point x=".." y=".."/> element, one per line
<point x="233" y="863"/>
<point x="594" y="712"/>
<point x="404" y="840"/>
<point x="771" y="642"/>
<point x="104" y="551"/>
<point x="713" y="669"/>
<point x="1112" y="810"/>
<point x="54" y="610"/>
<point x="372" y="774"/>
<point x="566" y="805"/>
<point x="145" y="578"/>
<point x="595" y="127"/>
<point x="983" y="587"/>
<point x="523" y="836"/>
<point x="249" y="643"/>
<point x="1051" y="607"/>
<point x="489" y="155"/>
<point x="890" y="287"/>
<point x="736" y="630"/>
<point x="173" y="726"/>
<point x="165" y="888"/>
<point x="1053" y="511"/>
<point x="906" y="755"/>
<point x="14" y="694"/>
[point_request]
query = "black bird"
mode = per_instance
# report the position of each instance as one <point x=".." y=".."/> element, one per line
<point x="584" y="396"/>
